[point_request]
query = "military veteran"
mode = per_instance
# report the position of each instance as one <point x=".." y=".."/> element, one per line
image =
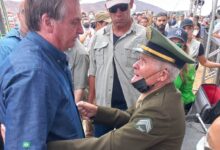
<point x="157" y="120"/>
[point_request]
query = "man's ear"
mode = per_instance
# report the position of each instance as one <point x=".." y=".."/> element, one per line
<point x="47" y="23"/>
<point x="163" y="75"/>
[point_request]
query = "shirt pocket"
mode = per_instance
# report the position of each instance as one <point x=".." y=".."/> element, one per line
<point x="99" y="52"/>
<point x="132" y="57"/>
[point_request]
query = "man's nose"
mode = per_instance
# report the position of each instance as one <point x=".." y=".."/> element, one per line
<point x="80" y="29"/>
<point x="118" y="11"/>
<point x="135" y="65"/>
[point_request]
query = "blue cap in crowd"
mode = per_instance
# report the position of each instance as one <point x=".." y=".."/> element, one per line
<point x="186" y="22"/>
<point x="178" y="33"/>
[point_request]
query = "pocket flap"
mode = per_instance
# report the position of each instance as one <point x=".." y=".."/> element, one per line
<point x="100" y="45"/>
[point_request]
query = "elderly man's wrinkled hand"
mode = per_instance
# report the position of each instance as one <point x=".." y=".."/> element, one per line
<point x="87" y="110"/>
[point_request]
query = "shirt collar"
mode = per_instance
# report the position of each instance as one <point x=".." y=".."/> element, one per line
<point x="133" y="28"/>
<point x="15" y="32"/>
<point x="57" y="54"/>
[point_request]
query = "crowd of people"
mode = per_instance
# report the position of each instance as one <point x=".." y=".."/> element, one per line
<point x="124" y="81"/>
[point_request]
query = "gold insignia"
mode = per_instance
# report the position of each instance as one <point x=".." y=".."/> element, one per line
<point x="167" y="58"/>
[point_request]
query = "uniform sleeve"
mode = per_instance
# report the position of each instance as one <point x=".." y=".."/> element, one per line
<point x="116" y="117"/>
<point x="27" y="98"/>
<point x="141" y="133"/>
<point x="80" y="71"/>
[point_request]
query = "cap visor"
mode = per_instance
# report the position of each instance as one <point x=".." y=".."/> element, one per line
<point x="111" y="3"/>
<point x="169" y="37"/>
<point x="170" y="46"/>
<point x="108" y="20"/>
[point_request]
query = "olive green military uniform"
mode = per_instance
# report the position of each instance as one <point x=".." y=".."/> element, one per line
<point x="156" y="123"/>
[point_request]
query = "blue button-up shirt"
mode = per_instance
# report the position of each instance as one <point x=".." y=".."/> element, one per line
<point x="9" y="42"/>
<point x="36" y="100"/>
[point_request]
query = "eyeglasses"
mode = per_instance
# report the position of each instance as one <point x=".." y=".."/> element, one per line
<point x="122" y="7"/>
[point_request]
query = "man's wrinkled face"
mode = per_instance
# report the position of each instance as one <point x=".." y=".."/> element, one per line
<point x="67" y="30"/>
<point x="161" y="22"/>
<point x="143" y="69"/>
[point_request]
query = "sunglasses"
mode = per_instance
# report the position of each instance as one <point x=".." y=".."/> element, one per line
<point x="122" y="7"/>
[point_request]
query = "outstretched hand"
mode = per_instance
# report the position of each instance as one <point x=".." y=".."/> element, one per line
<point x="2" y="127"/>
<point x="87" y="110"/>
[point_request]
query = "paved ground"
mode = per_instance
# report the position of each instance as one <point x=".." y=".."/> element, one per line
<point x="194" y="132"/>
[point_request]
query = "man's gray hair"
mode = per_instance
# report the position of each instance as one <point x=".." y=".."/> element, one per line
<point x="34" y="9"/>
<point x="173" y="71"/>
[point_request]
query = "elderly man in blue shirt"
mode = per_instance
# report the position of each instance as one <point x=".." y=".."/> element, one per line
<point x="12" y="38"/>
<point x="36" y="100"/>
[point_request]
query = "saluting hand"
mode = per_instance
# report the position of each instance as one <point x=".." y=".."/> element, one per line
<point x="87" y="110"/>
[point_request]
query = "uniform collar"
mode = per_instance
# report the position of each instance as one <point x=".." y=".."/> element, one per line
<point x="162" y="89"/>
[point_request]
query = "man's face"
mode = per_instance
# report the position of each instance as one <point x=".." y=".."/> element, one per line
<point x="139" y="17"/>
<point x="181" y="18"/>
<point x="144" y="22"/>
<point x="143" y="69"/>
<point x="101" y="24"/>
<point x="121" y="17"/>
<point x="189" y="30"/>
<point x="66" y="30"/>
<point x="195" y="19"/>
<point x="21" y="17"/>
<point x="161" y="22"/>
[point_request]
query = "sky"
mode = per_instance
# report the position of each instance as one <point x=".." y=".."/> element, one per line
<point x="168" y="4"/>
